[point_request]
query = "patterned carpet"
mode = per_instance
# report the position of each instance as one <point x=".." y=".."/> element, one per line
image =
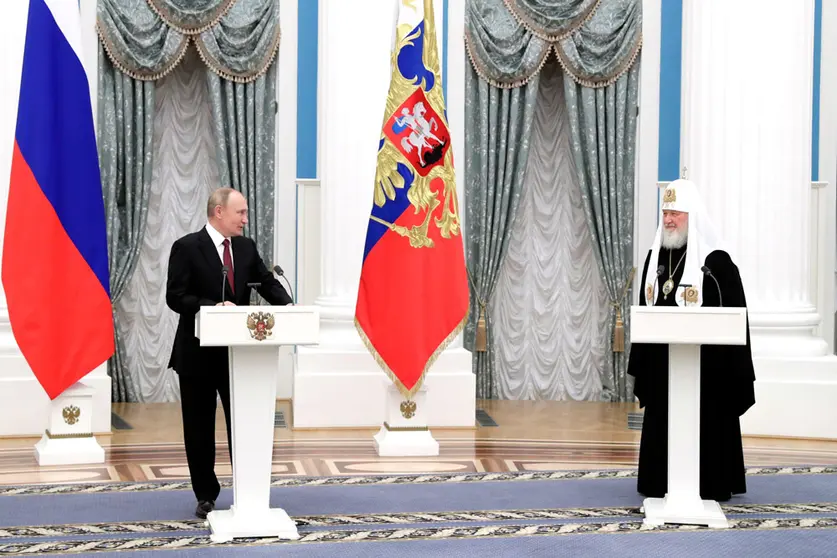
<point x="786" y="511"/>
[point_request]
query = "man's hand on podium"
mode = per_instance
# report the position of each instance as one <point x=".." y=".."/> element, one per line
<point x="225" y="303"/>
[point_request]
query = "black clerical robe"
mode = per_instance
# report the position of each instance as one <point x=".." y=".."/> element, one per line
<point x="726" y="391"/>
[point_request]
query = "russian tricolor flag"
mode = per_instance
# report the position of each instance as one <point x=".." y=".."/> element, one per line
<point x="55" y="254"/>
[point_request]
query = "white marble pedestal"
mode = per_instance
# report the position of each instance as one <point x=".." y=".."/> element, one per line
<point x="69" y="439"/>
<point x="405" y="432"/>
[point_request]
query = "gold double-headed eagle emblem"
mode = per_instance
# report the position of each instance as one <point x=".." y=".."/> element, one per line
<point x="260" y="325"/>
<point x="71" y="414"/>
<point x="416" y="136"/>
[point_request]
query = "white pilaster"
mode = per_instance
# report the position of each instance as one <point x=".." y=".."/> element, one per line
<point x="828" y="168"/>
<point x="349" y="128"/>
<point x="285" y="206"/>
<point x="647" y="152"/>
<point x="746" y="142"/>
<point x="455" y="101"/>
<point x="338" y="384"/>
<point x="24" y="407"/>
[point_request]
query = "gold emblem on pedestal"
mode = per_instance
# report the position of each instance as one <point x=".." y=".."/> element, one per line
<point x="260" y="325"/>
<point x="408" y="409"/>
<point x="71" y="414"/>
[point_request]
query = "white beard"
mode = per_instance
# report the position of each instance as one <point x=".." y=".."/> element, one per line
<point x="675" y="239"/>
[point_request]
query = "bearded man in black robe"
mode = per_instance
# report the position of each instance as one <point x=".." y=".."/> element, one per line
<point x="687" y="253"/>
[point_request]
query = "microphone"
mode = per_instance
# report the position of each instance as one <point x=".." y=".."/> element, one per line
<point x="708" y="272"/>
<point x="280" y="272"/>
<point x="660" y="269"/>
<point x="224" y="271"/>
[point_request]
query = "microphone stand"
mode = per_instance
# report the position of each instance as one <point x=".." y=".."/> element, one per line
<point x="708" y="272"/>
<point x="281" y="273"/>
<point x="660" y="270"/>
<point x="224" y="271"/>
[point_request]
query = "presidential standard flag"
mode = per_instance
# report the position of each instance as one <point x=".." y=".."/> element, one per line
<point x="413" y="295"/>
<point x="55" y="254"/>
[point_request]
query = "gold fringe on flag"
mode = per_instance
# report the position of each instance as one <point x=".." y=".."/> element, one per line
<point x="409" y="393"/>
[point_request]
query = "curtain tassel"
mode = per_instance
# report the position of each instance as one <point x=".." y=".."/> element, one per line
<point x="480" y="341"/>
<point x="618" y="345"/>
<point x="618" y="333"/>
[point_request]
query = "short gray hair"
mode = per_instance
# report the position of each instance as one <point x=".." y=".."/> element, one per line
<point x="219" y="197"/>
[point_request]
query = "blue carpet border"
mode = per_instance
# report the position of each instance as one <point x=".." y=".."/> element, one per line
<point x="415" y="527"/>
<point x="366" y="480"/>
<point x="407" y="534"/>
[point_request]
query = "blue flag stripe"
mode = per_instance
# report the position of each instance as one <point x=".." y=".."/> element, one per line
<point x="56" y="136"/>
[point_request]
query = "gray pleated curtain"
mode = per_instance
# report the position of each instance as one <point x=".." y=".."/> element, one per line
<point x="597" y="44"/>
<point x="140" y="42"/>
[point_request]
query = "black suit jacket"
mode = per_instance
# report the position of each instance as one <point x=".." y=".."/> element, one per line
<point x="194" y="279"/>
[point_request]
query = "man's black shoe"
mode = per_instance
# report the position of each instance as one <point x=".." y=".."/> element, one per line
<point x="204" y="507"/>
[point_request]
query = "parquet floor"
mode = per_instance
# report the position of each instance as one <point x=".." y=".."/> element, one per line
<point x="529" y="436"/>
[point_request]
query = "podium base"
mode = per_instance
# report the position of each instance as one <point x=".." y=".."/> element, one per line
<point x="398" y="443"/>
<point x="68" y="451"/>
<point x="226" y="525"/>
<point x="700" y="512"/>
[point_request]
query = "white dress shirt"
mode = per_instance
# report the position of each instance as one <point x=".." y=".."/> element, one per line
<point x="218" y="241"/>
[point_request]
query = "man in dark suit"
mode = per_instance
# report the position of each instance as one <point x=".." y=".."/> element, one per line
<point x="195" y="279"/>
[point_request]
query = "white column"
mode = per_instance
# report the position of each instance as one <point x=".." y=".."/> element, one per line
<point x="339" y="383"/>
<point x="352" y="99"/>
<point x="353" y="80"/>
<point x="746" y="142"/>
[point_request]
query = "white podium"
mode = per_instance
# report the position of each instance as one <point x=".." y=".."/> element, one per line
<point x="253" y="335"/>
<point x="685" y="330"/>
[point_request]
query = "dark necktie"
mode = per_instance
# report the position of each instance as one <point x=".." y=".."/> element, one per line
<point x="228" y="263"/>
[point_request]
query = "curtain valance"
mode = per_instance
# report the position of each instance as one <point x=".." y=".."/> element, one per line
<point x="596" y="41"/>
<point x="146" y="39"/>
